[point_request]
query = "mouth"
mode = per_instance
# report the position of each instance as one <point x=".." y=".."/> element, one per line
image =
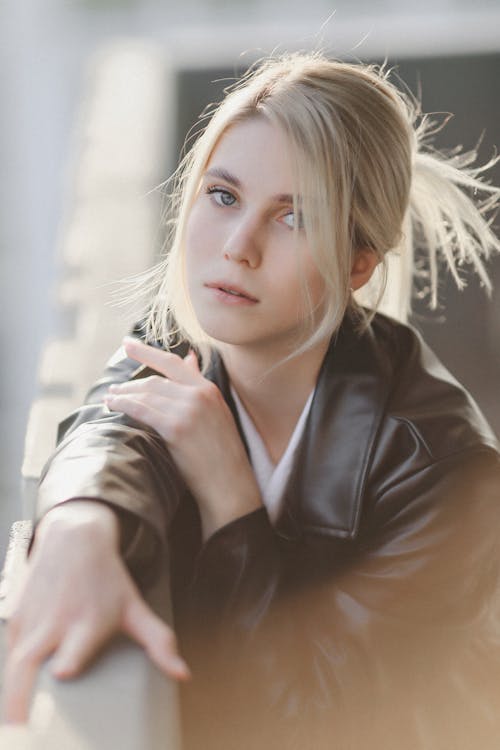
<point x="232" y="290"/>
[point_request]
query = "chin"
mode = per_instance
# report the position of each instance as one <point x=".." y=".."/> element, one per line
<point x="223" y="330"/>
<point x="233" y="336"/>
<point x="224" y="336"/>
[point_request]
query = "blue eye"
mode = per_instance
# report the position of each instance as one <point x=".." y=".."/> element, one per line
<point x="221" y="197"/>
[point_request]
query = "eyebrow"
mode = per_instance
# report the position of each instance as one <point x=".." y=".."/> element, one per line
<point x="223" y="174"/>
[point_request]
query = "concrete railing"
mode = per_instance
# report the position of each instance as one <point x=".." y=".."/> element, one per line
<point x="110" y="231"/>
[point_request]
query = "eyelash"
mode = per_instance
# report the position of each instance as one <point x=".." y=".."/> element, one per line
<point x="219" y="191"/>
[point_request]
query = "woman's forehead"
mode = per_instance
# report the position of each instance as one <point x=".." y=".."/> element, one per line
<point x="252" y="152"/>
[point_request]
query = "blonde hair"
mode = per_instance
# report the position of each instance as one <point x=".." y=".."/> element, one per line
<point x="368" y="177"/>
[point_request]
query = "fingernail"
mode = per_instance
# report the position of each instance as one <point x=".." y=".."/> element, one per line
<point x="179" y="665"/>
<point x="108" y="402"/>
<point x="63" y="670"/>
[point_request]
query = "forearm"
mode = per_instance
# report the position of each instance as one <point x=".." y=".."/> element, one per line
<point x="123" y="530"/>
<point x="236" y="504"/>
<point x="90" y="516"/>
<point x="397" y="569"/>
<point x="126" y="467"/>
<point x="76" y="594"/>
<point x="238" y="568"/>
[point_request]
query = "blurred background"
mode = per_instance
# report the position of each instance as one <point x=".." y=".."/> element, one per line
<point x="96" y="100"/>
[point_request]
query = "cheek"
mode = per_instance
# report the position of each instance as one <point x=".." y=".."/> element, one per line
<point x="194" y="246"/>
<point x="314" y="281"/>
<point x="192" y="229"/>
<point x="316" y="290"/>
<point x="317" y="286"/>
<point x="202" y="232"/>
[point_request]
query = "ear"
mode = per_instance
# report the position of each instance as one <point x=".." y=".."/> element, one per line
<point x="365" y="262"/>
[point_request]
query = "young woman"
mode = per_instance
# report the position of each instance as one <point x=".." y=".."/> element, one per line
<point x="328" y="494"/>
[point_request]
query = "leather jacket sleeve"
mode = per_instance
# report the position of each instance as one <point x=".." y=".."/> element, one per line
<point x="388" y="622"/>
<point x="109" y="457"/>
<point x="420" y="528"/>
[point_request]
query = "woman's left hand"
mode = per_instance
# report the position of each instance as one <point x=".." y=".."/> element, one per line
<point x="190" y="414"/>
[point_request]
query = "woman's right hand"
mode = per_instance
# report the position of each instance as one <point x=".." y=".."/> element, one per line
<point x="76" y="595"/>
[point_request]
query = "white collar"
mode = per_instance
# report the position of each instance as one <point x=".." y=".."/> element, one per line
<point x="271" y="478"/>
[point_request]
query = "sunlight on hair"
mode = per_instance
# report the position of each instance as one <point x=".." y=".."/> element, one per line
<point x="370" y="178"/>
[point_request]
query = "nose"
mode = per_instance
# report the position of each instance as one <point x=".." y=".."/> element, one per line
<point x="243" y="242"/>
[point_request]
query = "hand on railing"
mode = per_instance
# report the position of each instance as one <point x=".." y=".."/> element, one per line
<point x="76" y="595"/>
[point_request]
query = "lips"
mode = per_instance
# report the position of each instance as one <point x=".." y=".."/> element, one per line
<point x="231" y="289"/>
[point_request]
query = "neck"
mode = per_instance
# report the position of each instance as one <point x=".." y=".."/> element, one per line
<point x="258" y="372"/>
<point x="273" y="392"/>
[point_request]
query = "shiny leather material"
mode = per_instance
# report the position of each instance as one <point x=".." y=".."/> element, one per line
<point x="368" y="616"/>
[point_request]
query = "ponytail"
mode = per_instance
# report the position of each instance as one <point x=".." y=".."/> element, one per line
<point x="447" y="218"/>
<point x="447" y="224"/>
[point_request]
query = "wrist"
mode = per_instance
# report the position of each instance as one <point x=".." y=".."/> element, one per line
<point x="215" y="515"/>
<point x="82" y="518"/>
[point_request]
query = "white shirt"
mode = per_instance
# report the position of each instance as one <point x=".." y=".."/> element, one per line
<point x="271" y="478"/>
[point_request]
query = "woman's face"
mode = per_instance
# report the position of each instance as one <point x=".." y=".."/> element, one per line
<point x="246" y="267"/>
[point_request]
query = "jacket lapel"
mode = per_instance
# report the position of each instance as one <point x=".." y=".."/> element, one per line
<point x="325" y="491"/>
<point x="326" y="486"/>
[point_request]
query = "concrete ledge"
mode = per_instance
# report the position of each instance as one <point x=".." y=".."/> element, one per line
<point x="45" y="414"/>
<point x="121" y="701"/>
<point x="17" y="738"/>
<point x="110" y="231"/>
<point x="13" y="570"/>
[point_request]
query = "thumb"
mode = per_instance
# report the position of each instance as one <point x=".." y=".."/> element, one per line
<point x="158" y="640"/>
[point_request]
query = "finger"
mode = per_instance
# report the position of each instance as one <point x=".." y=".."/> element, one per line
<point x="79" y="646"/>
<point x="156" y="638"/>
<point x="21" y="668"/>
<point x="192" y="360"/>
<point x="153" y="385"/>
<point x="146" y="408"/>
<point x="166" y="363"/>
<point x="12" y="631"/>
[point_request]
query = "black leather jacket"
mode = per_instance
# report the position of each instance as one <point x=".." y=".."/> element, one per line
<point x="367" y="616"/>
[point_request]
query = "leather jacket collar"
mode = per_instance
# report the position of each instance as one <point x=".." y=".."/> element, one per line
<point x="358" y="377"/>
<point x="334" y="454"/>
